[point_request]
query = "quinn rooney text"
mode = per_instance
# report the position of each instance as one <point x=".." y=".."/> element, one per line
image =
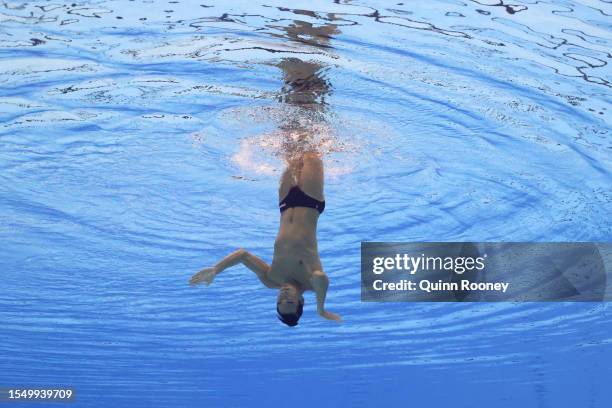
<point x="429" y="286"/>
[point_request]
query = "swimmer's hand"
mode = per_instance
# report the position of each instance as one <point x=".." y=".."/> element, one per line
<point x="206" y="275"/>
<point x="330" y="316"/>
<point x="320" y="283"/>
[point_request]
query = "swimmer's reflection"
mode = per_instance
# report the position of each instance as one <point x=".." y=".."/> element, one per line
<point x="296" y="266"/>
<point x="305" y="85"/>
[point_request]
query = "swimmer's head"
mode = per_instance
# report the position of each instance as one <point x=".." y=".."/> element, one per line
<point x="290" y="304"/>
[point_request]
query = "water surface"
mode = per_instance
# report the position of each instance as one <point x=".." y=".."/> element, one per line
<point x="142" y="140"/>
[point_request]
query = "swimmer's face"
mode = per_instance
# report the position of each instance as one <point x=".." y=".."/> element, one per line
<point x="289" y="305"/>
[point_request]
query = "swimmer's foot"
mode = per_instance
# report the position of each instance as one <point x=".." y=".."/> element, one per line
<point x="206" y="276"/>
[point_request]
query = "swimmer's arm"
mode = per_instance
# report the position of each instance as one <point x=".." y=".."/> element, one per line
<point x="320" y="283"/>
<point x="241" y="255"/>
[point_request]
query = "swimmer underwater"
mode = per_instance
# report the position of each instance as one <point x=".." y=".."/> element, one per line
<point x="296" y="266"/>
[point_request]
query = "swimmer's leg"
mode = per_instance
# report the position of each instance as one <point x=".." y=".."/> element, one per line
<point x="286" y="182"/>
<point x="310" y="179"/>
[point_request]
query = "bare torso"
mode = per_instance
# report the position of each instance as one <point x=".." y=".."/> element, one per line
<point x="296" y="256"/>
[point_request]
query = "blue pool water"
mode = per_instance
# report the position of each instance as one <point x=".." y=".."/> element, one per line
<point x="140" y="142"/>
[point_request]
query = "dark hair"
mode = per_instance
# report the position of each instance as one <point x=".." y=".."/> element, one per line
<point x="291" y="319"/>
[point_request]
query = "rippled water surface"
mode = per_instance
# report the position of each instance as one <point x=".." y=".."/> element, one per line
<point x="142" y="140"/>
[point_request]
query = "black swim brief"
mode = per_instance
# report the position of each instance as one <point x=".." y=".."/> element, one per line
<point x="297" y="198"/>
